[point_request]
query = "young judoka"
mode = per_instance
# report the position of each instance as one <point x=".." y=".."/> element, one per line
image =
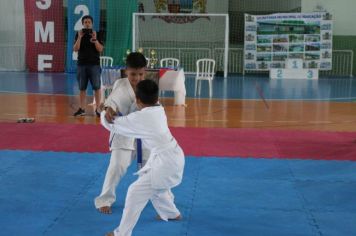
<point x="122" y="99"/>
<point x="164" y="168"/>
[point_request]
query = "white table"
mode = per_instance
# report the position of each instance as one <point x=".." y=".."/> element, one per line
<point x="171" y="80"/>
<point x="174" y="80"/>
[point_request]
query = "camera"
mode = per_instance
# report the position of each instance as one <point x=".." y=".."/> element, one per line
<point x="87" y="31"/>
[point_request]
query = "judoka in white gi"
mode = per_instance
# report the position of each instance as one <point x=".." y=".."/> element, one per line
<point x="122" y="99"/>
<point x="164" y="168"/>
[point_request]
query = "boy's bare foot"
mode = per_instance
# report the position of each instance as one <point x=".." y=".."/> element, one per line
<point x="110" y="234"/>
<point x="179" y="217"/>
<point x="105" y="210"/>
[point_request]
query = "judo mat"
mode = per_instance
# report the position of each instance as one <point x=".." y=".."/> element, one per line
<point x="204" y="142"/>
<point x="51" y="193"/>
<point x="236" y="182"/>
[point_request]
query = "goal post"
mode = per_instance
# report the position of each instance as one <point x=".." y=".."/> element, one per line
<point x="185" y="36"/>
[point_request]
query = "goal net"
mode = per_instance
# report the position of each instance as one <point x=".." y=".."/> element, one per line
<point x="187" y="37"/>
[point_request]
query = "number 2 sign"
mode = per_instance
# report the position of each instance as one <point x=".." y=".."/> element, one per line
<point x="76" y="10"/>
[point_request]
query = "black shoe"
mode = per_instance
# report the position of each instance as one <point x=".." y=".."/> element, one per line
<point x="97" y="113"/>
<point x="80" y="112"/>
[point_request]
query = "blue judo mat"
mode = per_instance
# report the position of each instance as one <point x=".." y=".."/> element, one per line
<point x="51" y="193"/>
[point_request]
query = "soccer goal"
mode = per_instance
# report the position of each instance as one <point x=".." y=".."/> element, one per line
<point x="187" y="37"/>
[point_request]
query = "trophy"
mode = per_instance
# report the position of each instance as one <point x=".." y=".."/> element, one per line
<point x="153" y="59"/>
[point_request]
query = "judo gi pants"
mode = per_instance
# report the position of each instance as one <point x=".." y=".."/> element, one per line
<point x="120" y="160"/>
<point x="138" y="194"/>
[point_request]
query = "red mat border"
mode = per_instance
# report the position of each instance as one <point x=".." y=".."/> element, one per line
<point x="204" y="142"/>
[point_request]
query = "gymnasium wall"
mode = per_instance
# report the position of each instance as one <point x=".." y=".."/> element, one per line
<point x="151" y="30"/>
<point x="12" y="23"/>
<point x="344" y="16"/>
<point x="12" y="36"/>
<point x="237" y="9"/>
<point x="343" y="12"/>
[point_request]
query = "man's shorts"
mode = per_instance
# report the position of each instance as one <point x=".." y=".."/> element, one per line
<point x="87" y="73"/>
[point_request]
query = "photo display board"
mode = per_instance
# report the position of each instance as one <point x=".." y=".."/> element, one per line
<point x="272" y="39"/>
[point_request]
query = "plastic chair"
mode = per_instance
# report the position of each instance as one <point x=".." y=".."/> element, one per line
<point x="205" y="71"/>
<point x="169" y="63"/>
<point x="104" y="61"/>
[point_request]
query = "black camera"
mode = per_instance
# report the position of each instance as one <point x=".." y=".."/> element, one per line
<point x="87" y="31"/>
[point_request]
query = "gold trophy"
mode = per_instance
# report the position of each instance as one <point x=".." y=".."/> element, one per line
<point x="153" y="59"/>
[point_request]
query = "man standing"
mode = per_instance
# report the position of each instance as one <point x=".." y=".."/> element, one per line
<point x="89" y="46"/>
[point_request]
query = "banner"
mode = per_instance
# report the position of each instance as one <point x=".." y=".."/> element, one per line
<point x="76" y="10"/>
<point x="271" y="39"/>
<point x="44" y="35"/>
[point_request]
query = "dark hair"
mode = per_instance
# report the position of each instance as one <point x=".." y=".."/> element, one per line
<point x="87" y="17"/>
<point x="147" y="92"/>
<point x="136" y="60"/>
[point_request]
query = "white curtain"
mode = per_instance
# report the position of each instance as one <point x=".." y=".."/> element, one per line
<point x="12" y="35"/>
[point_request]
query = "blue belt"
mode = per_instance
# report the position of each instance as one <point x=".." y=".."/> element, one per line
<point x="138" y="149"/>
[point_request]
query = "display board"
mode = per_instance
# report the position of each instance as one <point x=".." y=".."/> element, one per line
<point x="272" y="39"/>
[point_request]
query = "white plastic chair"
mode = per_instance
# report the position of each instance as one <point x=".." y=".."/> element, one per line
<point x="205" y="71"/>
<point x="104" y="61"/>
<point x="169" y="62"/>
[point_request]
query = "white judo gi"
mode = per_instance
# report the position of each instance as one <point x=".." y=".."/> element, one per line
<point x="163" y="170"/>
<point x="123" y="99"/>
